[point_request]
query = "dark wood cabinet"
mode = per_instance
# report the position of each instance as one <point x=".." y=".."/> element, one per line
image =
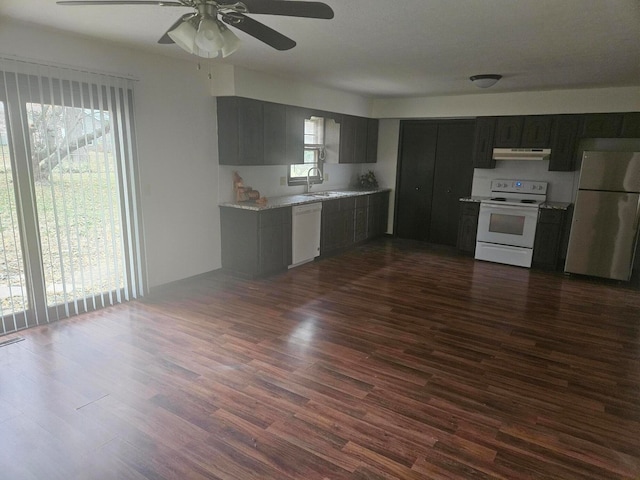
<point x="353" y="139"/>
<point x="564" y="141"/>
<point x="377" y="214"/>
<point x="255" y="243"/>
<point x="351" y="220"/>
<point x="508" y="132"/>
<point x="602" y="125"/>
<point x="338" y="225"/>
<point x="536" y="131"/>
<point x="227" y="108"/>
<point x="275" y="133"/>
<point x="295" y="117"/>
<point x="332" y="227"/>
<point x="254" y="132"/>
<point x="360" y="219"/>
<point x="372" y="140"/>
<point x="631" y="125"/>
<point x="241" y="131"/>
<point x="468" y="227"/>
<point x="549" y="236"/>
<point x="258" y="242"/>
<point x="250" y="132"/>
<point x="532" y="131"/>
<point x="483" y="143"/>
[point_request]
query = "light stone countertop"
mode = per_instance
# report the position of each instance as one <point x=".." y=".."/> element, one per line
<point x="302" y="198"/>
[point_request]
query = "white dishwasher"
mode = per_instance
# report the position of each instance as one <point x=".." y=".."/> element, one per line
<point x="305" y="226"/>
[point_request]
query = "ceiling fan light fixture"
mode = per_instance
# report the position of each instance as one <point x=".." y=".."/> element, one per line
<point x="231" y="41"/>
<point x="485" y="80"/>
<point x="184" y="35"/>
<point x="209" y="38"/>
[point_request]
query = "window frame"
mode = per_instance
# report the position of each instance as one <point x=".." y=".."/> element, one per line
<point x="317" y="149"/>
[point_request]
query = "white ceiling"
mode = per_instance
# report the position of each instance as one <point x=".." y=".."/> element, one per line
<point x="394" y="48"/>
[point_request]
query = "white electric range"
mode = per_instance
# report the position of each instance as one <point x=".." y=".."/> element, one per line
<point x="507" y="221"/>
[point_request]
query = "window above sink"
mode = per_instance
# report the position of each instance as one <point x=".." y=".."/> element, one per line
<point x="314" y="154"/>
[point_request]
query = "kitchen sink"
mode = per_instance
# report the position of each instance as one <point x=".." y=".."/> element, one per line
<point x="322" y="194"/>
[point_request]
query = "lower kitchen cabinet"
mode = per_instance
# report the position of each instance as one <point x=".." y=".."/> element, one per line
<point x="468" y="227"/>
<point x="377" y="214"/>
<point x="360" y="219"/>
<point x="258" y="242"/>
<point x="351" y="220"/>
<point x="549" y="246"/>
<point x="338" y="225"/>
<point x="255" y="243"/>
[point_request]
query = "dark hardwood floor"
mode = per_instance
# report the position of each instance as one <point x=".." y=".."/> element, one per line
<point x="393" y="361"/>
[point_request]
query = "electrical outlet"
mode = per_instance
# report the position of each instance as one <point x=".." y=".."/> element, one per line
<point x="326" y="177"/>
<point x="283" y="181"/>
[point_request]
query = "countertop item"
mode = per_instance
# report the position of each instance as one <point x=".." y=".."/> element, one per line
<point x="549" y="205"/>
<point x="302" y="198"/>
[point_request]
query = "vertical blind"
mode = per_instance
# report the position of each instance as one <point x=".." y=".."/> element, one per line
<point x="70" y="228"/>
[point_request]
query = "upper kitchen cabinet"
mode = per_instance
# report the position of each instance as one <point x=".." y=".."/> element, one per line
<point x="240" y="131"/>
<point x="483" y="143"/>
<point x="533" y="131"/>
<point x="508" y="132"/>
<point x="253" y="132"/>
<point x="631" y="125"/>
<point x="372" y="140"/>
<point x="353" y="139"/>
<point x="250" y="132"/>
<point x="602" y="125"/>
<point x="358" y="139"/>
<point x="564" y="140"/>
<point x="536" y="132"/>
<point x="275" y="136"/>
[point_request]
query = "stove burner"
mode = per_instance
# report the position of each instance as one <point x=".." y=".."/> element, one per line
<point x="528" y="201"/>
<point x="499" y="199"/>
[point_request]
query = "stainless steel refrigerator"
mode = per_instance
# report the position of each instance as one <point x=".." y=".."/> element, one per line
<point x="604" y="229"/>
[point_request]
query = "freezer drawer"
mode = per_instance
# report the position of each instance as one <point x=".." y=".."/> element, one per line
<point x="603" y="235"/>
<point x="610" y="171"/>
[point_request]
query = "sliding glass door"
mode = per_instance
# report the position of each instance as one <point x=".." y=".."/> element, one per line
<point x="69" y="204"/>
<point x="14" y="301"/>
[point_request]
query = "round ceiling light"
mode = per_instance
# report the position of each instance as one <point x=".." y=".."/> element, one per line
<point x="485" y="81"/>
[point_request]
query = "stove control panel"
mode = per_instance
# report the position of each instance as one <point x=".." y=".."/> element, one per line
<point x="519" y="186"/>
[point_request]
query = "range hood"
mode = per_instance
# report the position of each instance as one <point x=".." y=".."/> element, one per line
<point x="521" y="153"/>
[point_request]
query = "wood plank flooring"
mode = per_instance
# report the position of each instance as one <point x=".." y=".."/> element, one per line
<point x="396" y="360"/>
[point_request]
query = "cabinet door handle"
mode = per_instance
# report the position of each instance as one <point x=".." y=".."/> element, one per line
<point x="417" y="189"/>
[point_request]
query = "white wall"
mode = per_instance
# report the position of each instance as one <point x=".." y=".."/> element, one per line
<point x="258" y="85"/>
<point x="619" y="99"/>
<point x="267" y="179"/>
<point x="177" y="143"/>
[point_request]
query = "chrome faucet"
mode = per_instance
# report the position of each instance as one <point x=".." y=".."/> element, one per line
<point x="309" y="183"/>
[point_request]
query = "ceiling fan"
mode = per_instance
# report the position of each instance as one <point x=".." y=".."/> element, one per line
<point x="203" y="33"/>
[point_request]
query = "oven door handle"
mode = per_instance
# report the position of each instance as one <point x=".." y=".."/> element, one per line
<point x="508" y="207"/>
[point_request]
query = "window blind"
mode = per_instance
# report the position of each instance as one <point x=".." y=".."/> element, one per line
<point x="70" y="221"/>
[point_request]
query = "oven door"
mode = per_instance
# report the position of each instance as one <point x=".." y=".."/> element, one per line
<point x="507" y="225"/>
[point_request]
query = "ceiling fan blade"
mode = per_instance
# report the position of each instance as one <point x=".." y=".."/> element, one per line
<point x="289" y="8"/>
<point x="260" y="31"/>
<point x="122" y="2"/>
<point x="166" y="39"/>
